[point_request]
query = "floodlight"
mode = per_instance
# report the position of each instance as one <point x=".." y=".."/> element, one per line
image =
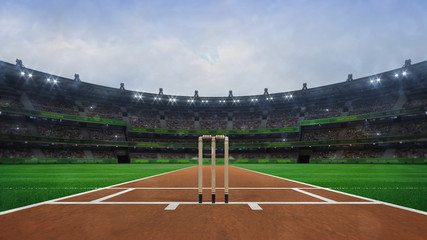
<point x="372" y="81"/>
<point x="206" y="101"/>
<point x="234" y="100"/>
<point x="17" y="128"/>
<point x="55" y="81"/>
<point x="287" y="96"/>
<point x="327" y="109"/>
<point x="48" y="80"/>
<point x="252" y="100"/>
<point x="378" y="79"/>
<point x="396" y="75"/>
<point x="30" y="75"/>
<point x="22" y="73"/>
<point x="404" y="73"/>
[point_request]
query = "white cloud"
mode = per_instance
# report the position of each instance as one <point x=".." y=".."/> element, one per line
<point x="237" y="46"/>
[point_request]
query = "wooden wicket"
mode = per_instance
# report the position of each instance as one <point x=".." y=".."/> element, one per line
<point x="213" y="167"/>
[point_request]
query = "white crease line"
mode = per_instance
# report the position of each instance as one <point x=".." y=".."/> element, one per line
<point x="254" y="206"/>
<point x="314" y="195"/>
<point x="78" y="194"/>
<point x="195" y="188"/>
<point x="210" y="203"/>
<point x="348" y="194"/>
<point x="172" y="206"/>
<point x="113" y="195"/>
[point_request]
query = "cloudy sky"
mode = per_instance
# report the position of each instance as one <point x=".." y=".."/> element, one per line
<point x="213" y="46"/>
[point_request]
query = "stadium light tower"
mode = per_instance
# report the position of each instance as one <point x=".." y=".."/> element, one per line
<point x="407" y="63"/>
<point x="304" y="86"/>
<point x="77" y="79"/>
<point x="230" y="93"/>
<point x="19" y="63"/>
<point x="266" y="92"/>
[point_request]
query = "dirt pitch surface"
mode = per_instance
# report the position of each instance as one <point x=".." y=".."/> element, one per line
<point x="261" y="207"/>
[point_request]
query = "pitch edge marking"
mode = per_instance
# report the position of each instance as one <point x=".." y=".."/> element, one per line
<point x="113" y="195"/>
<point x="348" y="194"/>
<point x="78" y="194"/>
<point x="254" y="206"/>
<point x="172" y="206"/>
<point x="313" y="195"/>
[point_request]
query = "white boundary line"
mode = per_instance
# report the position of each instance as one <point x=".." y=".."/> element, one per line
<point x="348" y="194"/>
<point x="113" y="195"/>
<point x="314" y="195"/>
<point x="78" y="194"/>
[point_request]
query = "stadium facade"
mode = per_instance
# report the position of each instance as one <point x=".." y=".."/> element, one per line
<point x="51" y="119"/>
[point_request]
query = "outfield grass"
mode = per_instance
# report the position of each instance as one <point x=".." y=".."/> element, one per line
<point x="404" y="185"/>
<point x="22" y="185"/>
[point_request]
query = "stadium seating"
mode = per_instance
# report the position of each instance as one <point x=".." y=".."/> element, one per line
<point x="344" y="122"/>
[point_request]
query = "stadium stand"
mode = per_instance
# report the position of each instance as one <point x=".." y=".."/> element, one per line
<point x="213" y="120"/>
<point x="359" y="119"/>
<point x="59" y="131"/>
<point x="13" y="128"/>
<point x="56" y="105"/>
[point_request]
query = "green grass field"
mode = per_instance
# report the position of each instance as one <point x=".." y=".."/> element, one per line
<point x="404" y="185"/>
<point x="22" y="185"/>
